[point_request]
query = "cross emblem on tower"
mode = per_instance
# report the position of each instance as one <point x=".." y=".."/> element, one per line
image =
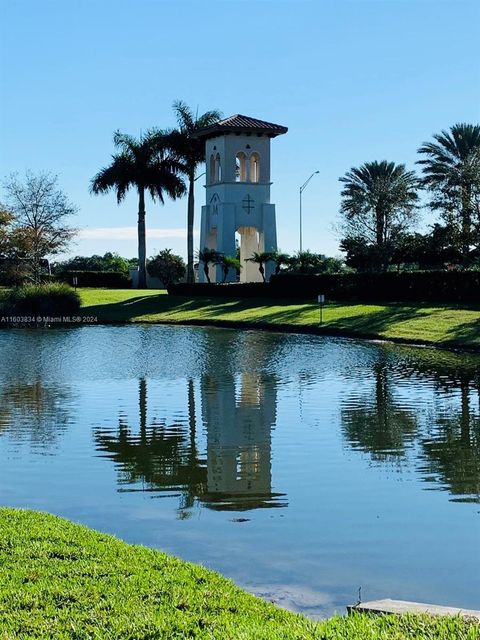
<point x="248" y="204"/>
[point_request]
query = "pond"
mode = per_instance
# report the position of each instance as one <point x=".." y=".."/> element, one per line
<point x="302" y="467"/>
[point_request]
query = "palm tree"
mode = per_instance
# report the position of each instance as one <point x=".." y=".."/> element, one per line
<point x="451" y="170"/>
<point x="191" y="152"/>
<point x="144" y="165"/>
<point x="280" y="259"/>
<point x="261" y="259"/>
<point x="379" y="201"/>
<point x="208" y="257"/>
<point x="227" y="263"/>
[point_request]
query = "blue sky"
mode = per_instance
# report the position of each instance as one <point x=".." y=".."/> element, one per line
<point x="354" y="80"/>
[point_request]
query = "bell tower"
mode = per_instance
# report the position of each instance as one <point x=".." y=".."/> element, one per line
<point x="237" y="152"/>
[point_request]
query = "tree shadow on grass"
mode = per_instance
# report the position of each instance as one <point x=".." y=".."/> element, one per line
<point x="366" y="322"/>
<point x="468" y="332"/>
<point x="294" y="315"/>
<point x="214" y="308"/>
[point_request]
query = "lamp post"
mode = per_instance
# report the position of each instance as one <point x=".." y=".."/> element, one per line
<point x="302" y="189"/>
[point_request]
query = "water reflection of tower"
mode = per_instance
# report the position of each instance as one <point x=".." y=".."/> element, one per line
<point x="239" y="413"/>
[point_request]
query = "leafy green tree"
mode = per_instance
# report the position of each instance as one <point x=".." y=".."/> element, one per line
<point x="227" y="263"/>
<point x="261" y="259"/>
<point x="379" y="201"/>
<point x="41" y="212"/>
<point x="433" y="250"/>
<point x="451" y="171"/>
<point x="191" y="152"/>
<point x="208" y="257"/>
<point x="108" y="262"/>
<point x="167" y="266"/>
<point x="6" y="219"/>
<point x="146" y="166"/>
<point x="359" y="254"/>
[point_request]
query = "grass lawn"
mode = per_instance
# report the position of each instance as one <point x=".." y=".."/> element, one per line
<point x="442" y="325"/>
<point x="62" y="580"/>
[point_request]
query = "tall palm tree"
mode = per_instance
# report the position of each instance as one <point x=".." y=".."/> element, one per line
<point x="379" y="201"/>
<point x="451" y="170"/>
<point x="144" y="165"/>
<point x="191" y="152"/>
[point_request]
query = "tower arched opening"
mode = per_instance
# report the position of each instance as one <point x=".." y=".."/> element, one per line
<point x="254" y="167"/>
<point x="240" y="167"/>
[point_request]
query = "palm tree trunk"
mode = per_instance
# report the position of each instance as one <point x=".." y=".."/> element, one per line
<point x="142" y="247"/>
<point x="190" y="220"/>
<point x="206" y="271"/>
<point x="466" y="226"/>
<point x="379" y="232"/>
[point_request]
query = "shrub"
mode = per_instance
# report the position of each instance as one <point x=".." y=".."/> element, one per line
<point x="167" y="267"/>
<point x="13" y="273"/>
<point x="413" y="286"/>
<point x="42" y="300"/>
<point x="105" y="279"/>
<point x="405" y="286"/>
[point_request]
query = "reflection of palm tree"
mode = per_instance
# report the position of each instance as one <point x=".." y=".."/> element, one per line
<point x="238" y="414"/>
<point x="380" y="427"/>
<point x="452" y="450"/>
<point x="36" y="410"/>
<point x="160" y="456"/>
<point x="450" y="444"/>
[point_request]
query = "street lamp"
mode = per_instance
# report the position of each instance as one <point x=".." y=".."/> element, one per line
<point x="302" y="188"/>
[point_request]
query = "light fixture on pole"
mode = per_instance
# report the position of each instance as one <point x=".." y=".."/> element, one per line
<point x="302" y="188"/>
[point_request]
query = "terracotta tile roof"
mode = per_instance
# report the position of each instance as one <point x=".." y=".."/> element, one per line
<point x="242" y="124"/>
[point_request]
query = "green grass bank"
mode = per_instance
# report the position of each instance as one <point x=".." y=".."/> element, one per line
<point x="60" y="580"/>
<point x="439" y="325"/>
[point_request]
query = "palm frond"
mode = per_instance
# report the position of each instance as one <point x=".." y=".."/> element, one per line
<point x="118" y="177"/>
<point x="184" y="115"/>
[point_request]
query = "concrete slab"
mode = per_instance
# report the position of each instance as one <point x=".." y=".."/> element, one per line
<point x="402" y="606"/>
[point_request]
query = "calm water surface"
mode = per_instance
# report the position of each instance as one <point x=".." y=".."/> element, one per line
<point x="302" y="467"/>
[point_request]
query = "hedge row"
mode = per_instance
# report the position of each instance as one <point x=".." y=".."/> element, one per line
<point x="39" y="301"/>
<point x="415" y="286"/>
<point x="108" y="279"/>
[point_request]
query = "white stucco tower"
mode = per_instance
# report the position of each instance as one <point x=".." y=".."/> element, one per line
<point x="237" y="152"/>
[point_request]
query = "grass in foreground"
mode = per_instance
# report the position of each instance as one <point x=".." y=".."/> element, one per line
<point x="449" y="325"/>
<point x="62" y="580"/>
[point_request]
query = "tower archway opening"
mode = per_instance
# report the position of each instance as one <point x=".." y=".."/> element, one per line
<point x="211" y="173"/>
<point x="255" y="167"/>
<point x="240" y="167"/>
<point x="217" y="172"/>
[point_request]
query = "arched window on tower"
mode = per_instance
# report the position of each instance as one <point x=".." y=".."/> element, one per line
<point x="217" y="174"/>
<point x="211" y="175"/>
<point x="254" y="167"/>
<point x="241" y="167"/>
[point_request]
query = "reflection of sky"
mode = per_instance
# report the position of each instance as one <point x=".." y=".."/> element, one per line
<point x="346" y="508"/>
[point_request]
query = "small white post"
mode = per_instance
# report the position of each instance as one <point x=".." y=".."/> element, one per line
<point x="321" y="301"/>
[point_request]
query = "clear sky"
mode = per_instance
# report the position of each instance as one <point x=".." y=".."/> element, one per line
<point x="354" y="80"/>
